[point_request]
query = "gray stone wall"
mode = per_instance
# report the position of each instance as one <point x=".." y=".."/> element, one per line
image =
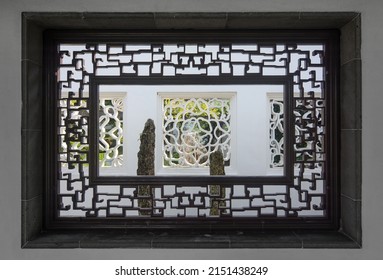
<point x="366" y="106"/>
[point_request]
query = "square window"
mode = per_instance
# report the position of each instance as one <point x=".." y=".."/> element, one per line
<point x="195" y="126"/>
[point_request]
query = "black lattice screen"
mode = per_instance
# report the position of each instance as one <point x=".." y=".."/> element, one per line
<point x="302" y="58"/>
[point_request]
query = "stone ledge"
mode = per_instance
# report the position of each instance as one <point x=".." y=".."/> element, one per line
<point x="191" y="20"/>
<point x="189" y="239"/>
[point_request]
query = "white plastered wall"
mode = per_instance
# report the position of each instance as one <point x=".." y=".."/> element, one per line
<point x="249" y="123"/>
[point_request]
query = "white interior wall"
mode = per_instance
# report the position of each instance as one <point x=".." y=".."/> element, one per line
<point x="250" y="125"/>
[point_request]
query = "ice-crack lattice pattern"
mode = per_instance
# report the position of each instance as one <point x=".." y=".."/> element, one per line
<point x="304" y="63"/>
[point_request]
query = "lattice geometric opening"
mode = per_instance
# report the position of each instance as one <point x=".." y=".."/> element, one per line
<point x="111" y="132"/>
<point x="194" y="128"/>
<point x="309" y="140"/>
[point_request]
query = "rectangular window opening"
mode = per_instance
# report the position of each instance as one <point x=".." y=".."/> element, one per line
<point x="264" y="102"/>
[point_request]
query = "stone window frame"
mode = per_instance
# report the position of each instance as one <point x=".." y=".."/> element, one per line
<point x="33" y="168"/>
